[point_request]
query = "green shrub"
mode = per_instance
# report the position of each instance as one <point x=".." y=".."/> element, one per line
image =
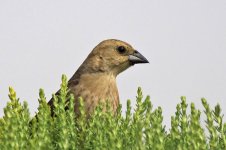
<point x="140" y="130"/>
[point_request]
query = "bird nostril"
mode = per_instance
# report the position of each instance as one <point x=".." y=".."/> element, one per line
<point x="135" y="51"/>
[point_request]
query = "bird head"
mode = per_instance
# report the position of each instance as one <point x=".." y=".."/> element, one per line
<point x="113" y="56"/>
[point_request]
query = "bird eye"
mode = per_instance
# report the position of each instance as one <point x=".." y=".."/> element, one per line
<point x="121" y="49"/>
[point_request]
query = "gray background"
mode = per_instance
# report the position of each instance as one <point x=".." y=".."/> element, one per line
<point x="185" y="42"/>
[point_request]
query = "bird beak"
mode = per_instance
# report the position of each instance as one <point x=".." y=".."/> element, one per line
<point x="137" y="58"/>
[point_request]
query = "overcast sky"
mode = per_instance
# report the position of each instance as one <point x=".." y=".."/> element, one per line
<point x="185" y="42"/>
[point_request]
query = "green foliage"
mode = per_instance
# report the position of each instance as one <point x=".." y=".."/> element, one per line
<point x="139" y="130"/>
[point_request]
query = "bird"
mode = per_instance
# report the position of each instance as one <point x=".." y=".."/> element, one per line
<point x="95" y="79"/>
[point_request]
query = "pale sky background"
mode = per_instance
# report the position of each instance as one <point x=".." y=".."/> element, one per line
<point x="184" y="40"/>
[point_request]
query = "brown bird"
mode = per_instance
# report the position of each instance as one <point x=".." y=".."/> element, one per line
<point x="95" y="79"/>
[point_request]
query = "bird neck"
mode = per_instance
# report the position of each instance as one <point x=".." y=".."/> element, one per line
<point x="100" y="76"/>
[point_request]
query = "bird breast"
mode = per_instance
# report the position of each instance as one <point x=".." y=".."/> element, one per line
<point x="95" y="88"/>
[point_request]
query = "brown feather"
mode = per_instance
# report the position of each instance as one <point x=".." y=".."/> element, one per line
<point x="95" y="80"/>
